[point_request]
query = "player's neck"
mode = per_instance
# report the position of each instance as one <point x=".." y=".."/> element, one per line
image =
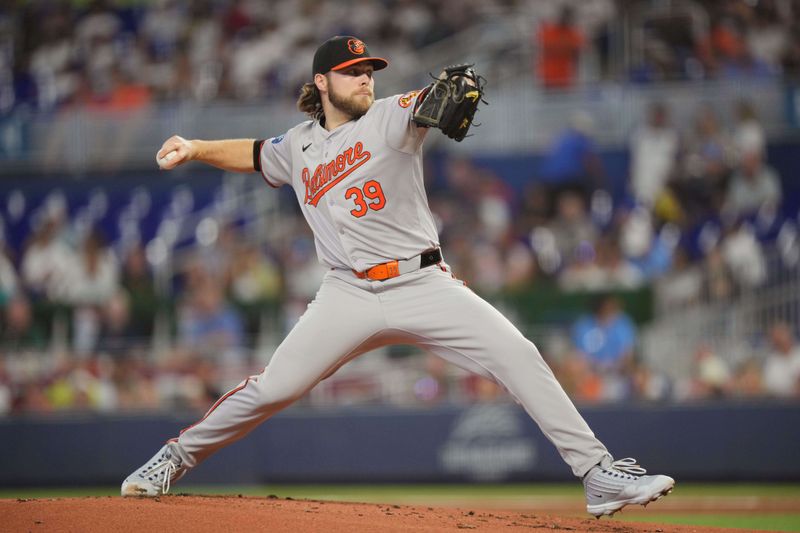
<point x="334" y="117"/>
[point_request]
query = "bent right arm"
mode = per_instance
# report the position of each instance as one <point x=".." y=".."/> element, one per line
<point x="235" y="155"/>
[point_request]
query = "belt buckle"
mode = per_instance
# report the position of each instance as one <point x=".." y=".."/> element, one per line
<point x="384" y="271"/>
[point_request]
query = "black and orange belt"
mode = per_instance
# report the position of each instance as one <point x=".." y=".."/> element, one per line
<point x="395" y="268"/>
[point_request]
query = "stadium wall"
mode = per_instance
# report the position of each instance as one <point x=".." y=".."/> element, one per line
<point x="483" y="443"/>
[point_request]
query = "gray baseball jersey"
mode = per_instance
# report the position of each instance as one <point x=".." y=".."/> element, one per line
<point x="361" y="189"/>
<point x="360" y="186"/>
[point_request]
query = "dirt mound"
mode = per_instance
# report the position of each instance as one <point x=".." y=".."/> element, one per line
<point x="199" y="514"/>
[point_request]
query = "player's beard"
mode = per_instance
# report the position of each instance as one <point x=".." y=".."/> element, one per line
<point x="354" y="106"/>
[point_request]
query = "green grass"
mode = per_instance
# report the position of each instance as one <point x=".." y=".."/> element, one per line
<point x="514" y="495"/>
<point x="763" y="521"/>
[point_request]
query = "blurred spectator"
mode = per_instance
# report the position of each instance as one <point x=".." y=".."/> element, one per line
<point x="572" y="162"/>
<point x="726" y="42"/>
<point x="256" y="287"/>
<point x="53" y="63"/>
<point x="137" y="281"/>
<point x="208" y="326"/>
<point x="31" y="398"/>
<point x="747" y="380"/>
<point x="767" y="35"/>
<point x="790" y="60"/>
<point x="734" y="56"/>
<point x="618" y="271"/>
<point x="535" y="209"/>
<point x="81" y="385"/>
<point x="117" y="336"/>
<point x="746" y="67"/>
<point x="649" y="385"/>
<point x="118" y="92"/>
<point x="255" y="277"/>
<point x="654" y="150"/>
<point x="254" y="57"/>
<point x="8" y="277"/>
<point x="707" y="161"/>
<point x="648" y="252"/>
<point x="683" y="284"/>
<point x="44" y="260"/>
<point x="582" y="273"/>
<point x="163" y="26"/>
<point x="744" y="256"/>
<point x="463" y="180"/>
<point x="303" y="276"/>
<point x="782" y="364"/>
<point x="182" y="382"/>
<point x="216" y="257"/>
<point x="488" y="269"/>
<point x="752" y="186"/>
<point x="20" y="333"/>
<point x="135" y="384"/>
<point x="205" y="51"/>
<point x="571" y="225"/>
<point x="494" y="204"/>
<point x="713" y="376"/>
<point x="748" y="133"/>
<point x="579" y="379"/>
<point x="607" y="337"/>
<point x="92" y="278"/>
<point x="719" y="284"/>
<point x="99" y="22"/>
<point x="668" y="44"/>
<point x="520" y="268"/>
<point x="559" y="46"/>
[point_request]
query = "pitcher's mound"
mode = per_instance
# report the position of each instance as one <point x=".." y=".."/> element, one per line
<point x="198" y="514"/>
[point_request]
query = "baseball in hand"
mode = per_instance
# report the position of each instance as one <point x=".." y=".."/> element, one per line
<point x="163" y="161"/>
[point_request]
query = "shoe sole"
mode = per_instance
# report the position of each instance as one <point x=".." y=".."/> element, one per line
<point x="609" y="509"/>
<point x="135" y="490"/>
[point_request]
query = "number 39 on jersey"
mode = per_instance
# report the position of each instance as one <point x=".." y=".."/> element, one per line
<point x="370" y="196"/>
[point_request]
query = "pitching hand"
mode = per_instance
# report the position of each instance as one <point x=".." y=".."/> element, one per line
<point x="175" y="151"/>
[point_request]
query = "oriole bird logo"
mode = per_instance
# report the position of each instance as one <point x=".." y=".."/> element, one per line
<point x="355" y="46"/>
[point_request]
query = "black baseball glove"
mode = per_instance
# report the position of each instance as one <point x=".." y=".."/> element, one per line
<point x="450" y="102"/>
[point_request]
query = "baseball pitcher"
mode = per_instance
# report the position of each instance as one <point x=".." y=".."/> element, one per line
<point x="356" y="170"/>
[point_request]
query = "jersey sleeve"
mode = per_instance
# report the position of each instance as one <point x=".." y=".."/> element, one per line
<point x="276" y="160"/>
<point x="400" y="132"/>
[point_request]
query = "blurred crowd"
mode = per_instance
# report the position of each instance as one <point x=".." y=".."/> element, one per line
<point x="123" y="55"/>
<point x="702" y="221"/>
<point x="86" y="325"/>
<point x="700" y="198"/>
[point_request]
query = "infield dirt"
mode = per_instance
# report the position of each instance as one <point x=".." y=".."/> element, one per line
<point x="200" y="514"/>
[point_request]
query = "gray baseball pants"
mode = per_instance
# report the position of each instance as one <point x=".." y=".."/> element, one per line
<point x="427" y="308"/>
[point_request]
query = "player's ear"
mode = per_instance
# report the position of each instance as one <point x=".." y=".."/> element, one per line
<point x="321" y="81"/>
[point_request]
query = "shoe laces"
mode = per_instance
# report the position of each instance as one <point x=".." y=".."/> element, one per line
<point x="627" y="466"/>
<point x="167" y="468"/>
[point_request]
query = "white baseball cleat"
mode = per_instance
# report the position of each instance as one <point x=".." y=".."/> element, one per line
<point x="156" y="475"/>
<point x="610" y="488"/>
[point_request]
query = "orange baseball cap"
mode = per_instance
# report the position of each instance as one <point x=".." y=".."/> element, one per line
<point x="342" y="51"/>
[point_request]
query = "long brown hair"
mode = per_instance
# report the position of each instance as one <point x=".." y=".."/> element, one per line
<point x="310" y="101"/>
